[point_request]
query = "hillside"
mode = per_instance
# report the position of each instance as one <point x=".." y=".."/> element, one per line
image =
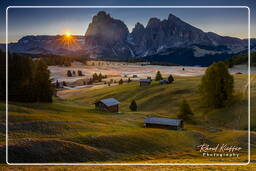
<point x="242" y="59"/>
<point x="72" y="124"/>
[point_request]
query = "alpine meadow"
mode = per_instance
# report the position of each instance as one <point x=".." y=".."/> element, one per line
<point x="161" y="92"/>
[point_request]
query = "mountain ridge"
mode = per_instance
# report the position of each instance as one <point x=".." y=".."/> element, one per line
<point x="107" y="37"/>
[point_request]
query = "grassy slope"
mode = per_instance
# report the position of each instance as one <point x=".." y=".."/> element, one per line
<point x="121" y="136"/>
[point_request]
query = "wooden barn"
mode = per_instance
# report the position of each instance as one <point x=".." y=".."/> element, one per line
<point x="165" y="123"/>
<point x="145" y="82"/>
<point x="109" y="105"/>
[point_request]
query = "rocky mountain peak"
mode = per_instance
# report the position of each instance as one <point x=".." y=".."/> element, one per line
<point x="106" y="27"/>
<point x="101" y="16"/>
<point x="139" y="26"/>
<point x="153" y="22"/>
<point x="172" y="17"/>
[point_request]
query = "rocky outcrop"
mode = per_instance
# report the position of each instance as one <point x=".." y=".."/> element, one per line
<point x="106" y="37"/>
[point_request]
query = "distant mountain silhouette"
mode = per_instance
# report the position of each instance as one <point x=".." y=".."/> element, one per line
<point x="169" y="40"/>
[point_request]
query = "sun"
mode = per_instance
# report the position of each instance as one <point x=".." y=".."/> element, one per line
<point x="68" y="40"/>
<point x="67" y="34"/>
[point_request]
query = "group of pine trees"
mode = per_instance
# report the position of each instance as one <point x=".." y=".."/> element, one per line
<point x="56" y="60"/>
<point x="73" y="73"/>
<point x="159" y="77"/>
<point x="28" y="80"/>
<point x="98" y="77"/>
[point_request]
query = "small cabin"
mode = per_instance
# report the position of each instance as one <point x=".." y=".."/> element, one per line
<point x="145" y="82"/>
<point x="165" y="123"/>
<point x="164" y="82"/>
<point x="109" y="105"/>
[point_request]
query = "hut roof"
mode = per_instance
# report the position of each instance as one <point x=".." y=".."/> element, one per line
<point x="145" y="80"/>
<point x="164" y="81"/>
<point x="109" y="102"/>
<point x="163" y="121"/>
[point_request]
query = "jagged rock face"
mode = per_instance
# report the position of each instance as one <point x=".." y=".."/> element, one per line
<point x="159" y="35"/>
<point x="107" y="28"/>
<point x="106" y="37"/>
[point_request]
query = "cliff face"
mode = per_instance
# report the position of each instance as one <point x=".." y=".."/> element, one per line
<point x="106" y="37"/>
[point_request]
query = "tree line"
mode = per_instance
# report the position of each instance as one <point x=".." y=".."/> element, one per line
<point x="28" y="80"/>
<point x="56" y="60"/>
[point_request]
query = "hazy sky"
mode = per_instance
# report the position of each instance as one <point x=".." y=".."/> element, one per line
<point x="52" y="21"/>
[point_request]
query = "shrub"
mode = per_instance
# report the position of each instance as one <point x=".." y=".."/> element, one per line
<point x="185" y="111"/>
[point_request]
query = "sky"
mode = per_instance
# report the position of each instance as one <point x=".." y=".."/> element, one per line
<point x="52" y="21"/>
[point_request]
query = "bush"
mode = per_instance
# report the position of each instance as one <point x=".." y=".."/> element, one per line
<point x="158" y="76"/>
<point x="185" y="111"/>
<point x="170" y="78"/>
<point x="217" y="85"/>
<point x="133" y="106"/>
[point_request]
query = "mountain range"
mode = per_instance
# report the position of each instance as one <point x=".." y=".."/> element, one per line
<point x="170" y="40"/>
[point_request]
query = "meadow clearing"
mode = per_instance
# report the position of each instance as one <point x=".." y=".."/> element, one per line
<point x="71" y="130"/>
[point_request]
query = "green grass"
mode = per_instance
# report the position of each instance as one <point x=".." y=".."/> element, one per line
<point x="121" y="136"/>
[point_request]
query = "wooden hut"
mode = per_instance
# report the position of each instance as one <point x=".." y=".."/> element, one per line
<point x="110" y="105"/>
<point x="165" y="123"/>
<point x="145" y="82"/>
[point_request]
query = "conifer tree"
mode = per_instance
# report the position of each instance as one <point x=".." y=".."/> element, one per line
<point x="217" y="85"/>
<point x="170" y="78"/>
<point x="120" y="81"/>
<point x="133" y="106"/>
<point x="158" y="76"/>
<point x="185" y="111"/>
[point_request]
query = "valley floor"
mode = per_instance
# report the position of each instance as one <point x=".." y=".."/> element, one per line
<point x="71" y="130"/>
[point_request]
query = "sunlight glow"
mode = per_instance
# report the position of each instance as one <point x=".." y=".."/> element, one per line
<point x="68" y="40"/>
<point x="67" y="34"/>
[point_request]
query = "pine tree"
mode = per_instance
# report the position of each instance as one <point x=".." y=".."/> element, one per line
<point x="80" y="73"/>
<point x="170" y="78"/>
<point x="100" y="77"/>
<point x="133" y="106"/>
<point x="158" y="76"/>
<point x="69" y="74"/>
<point x="185" y="111"/>
<point x="42" y="84"/>
<point x="217" y="85"/>
<point x="120" y="81"/>
<point x="57" y="84"/>
<point x="2" y="75"/>
<point x="95" y="77"/>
